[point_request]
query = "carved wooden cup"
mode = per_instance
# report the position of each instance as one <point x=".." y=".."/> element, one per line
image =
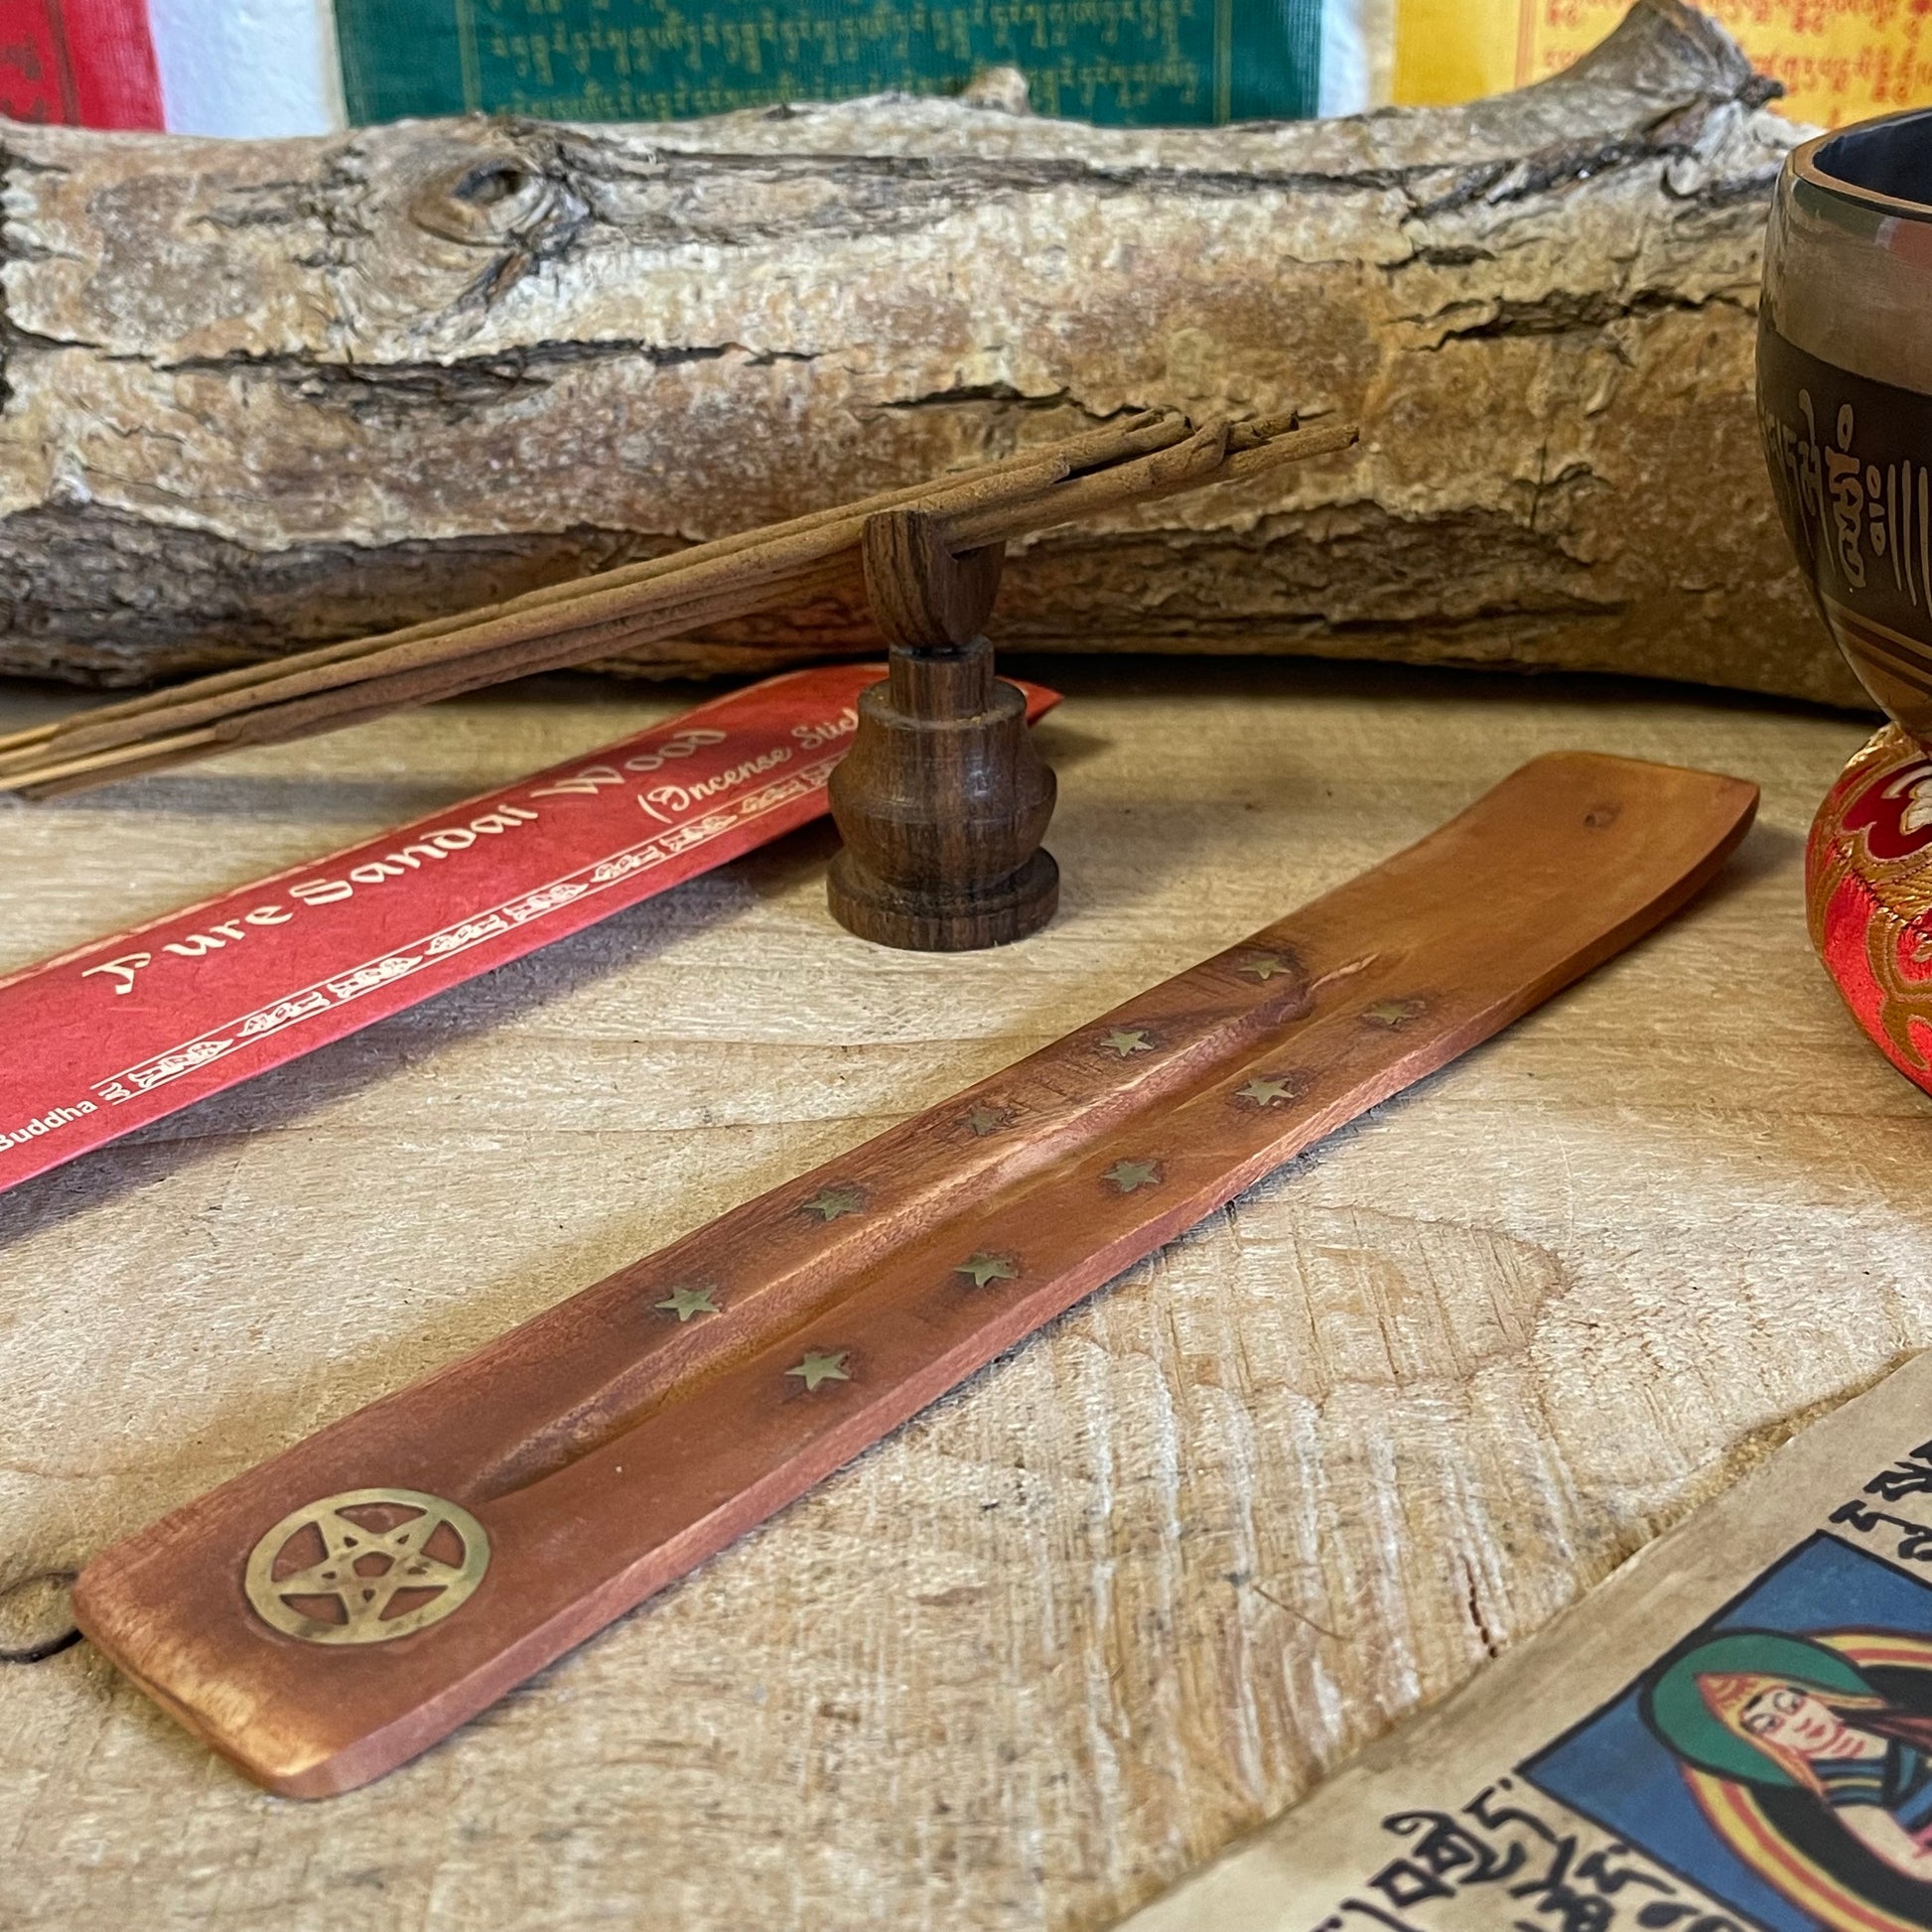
<point x="942" y="800"/>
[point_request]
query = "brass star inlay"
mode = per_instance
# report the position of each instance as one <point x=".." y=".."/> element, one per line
<point x="987" y="1120"/>
<point x="831" y="1202"/>
<point x="1264" y="965"/>
<point x="1269" y="1090"/>
<point x="989" y="1268"/>
<point x="816" y="1368"/>
<point x="1130" y="1174"/>
<point x="1122" y="1041"/>
<point x="1393" y="1013"/>
<point x="684" y="1303"/>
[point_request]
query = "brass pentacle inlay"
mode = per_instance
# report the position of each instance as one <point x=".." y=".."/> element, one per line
<point x="1129" y="1175"/>
<point x="817" y="1368"/>
<point x="366" y="1567"/>
<point x="983" y="1121"/>
<point x="684" y="1303"/>
<point x="1270" y="1091"/>
<point x="832" y="1203"/>
<point x="982" y="1269"/>
<point x="1125" y="1042"/>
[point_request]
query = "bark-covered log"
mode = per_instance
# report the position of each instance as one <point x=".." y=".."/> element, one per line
<point x="261" y="394"/>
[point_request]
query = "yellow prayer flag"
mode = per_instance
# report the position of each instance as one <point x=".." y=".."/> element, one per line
<point x="1840" y="60"/>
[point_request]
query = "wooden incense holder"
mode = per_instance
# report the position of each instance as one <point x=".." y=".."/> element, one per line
<point x="942" y="800"/>
<point x="324" y="1616"/>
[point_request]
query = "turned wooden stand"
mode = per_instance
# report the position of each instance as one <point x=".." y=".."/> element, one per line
<point x="942" y="800"/>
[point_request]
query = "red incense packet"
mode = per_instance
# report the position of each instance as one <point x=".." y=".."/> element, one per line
<point x="131" y="1029"/>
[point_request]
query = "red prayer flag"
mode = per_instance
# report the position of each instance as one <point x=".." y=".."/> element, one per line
<point x="80" y="63"/>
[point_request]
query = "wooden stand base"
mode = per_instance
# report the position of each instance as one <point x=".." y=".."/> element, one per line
<point x="942" y="800"/>
<point x="915" y="922"/>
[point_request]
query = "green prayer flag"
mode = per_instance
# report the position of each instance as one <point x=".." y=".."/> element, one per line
<point x="1129" y="63"/>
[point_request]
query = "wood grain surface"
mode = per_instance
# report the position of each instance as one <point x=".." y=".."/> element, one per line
<point x="1141" y="1582"/>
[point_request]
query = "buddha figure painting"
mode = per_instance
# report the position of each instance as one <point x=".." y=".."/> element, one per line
<point x="1781" y="1757"/>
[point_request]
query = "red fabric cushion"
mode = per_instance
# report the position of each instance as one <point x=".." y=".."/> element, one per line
<point x="1869" y="895"/>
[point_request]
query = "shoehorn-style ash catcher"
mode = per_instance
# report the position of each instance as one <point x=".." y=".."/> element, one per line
<point x="324" y="1616"/>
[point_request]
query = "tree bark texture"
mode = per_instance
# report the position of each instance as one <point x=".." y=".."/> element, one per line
<point x="263" y="395"/>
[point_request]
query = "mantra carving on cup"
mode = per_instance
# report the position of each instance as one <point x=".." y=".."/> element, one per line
<point x="366" y="1565"/>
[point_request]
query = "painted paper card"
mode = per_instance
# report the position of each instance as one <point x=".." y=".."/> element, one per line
<point x="1732" y="1735"/>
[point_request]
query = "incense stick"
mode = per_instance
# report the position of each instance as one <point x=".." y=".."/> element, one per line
<point x="1143" y="458"/>
<point x="1145" y="431"/>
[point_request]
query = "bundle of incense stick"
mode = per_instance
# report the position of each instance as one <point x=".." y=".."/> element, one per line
<point x="1154" y="454"/>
